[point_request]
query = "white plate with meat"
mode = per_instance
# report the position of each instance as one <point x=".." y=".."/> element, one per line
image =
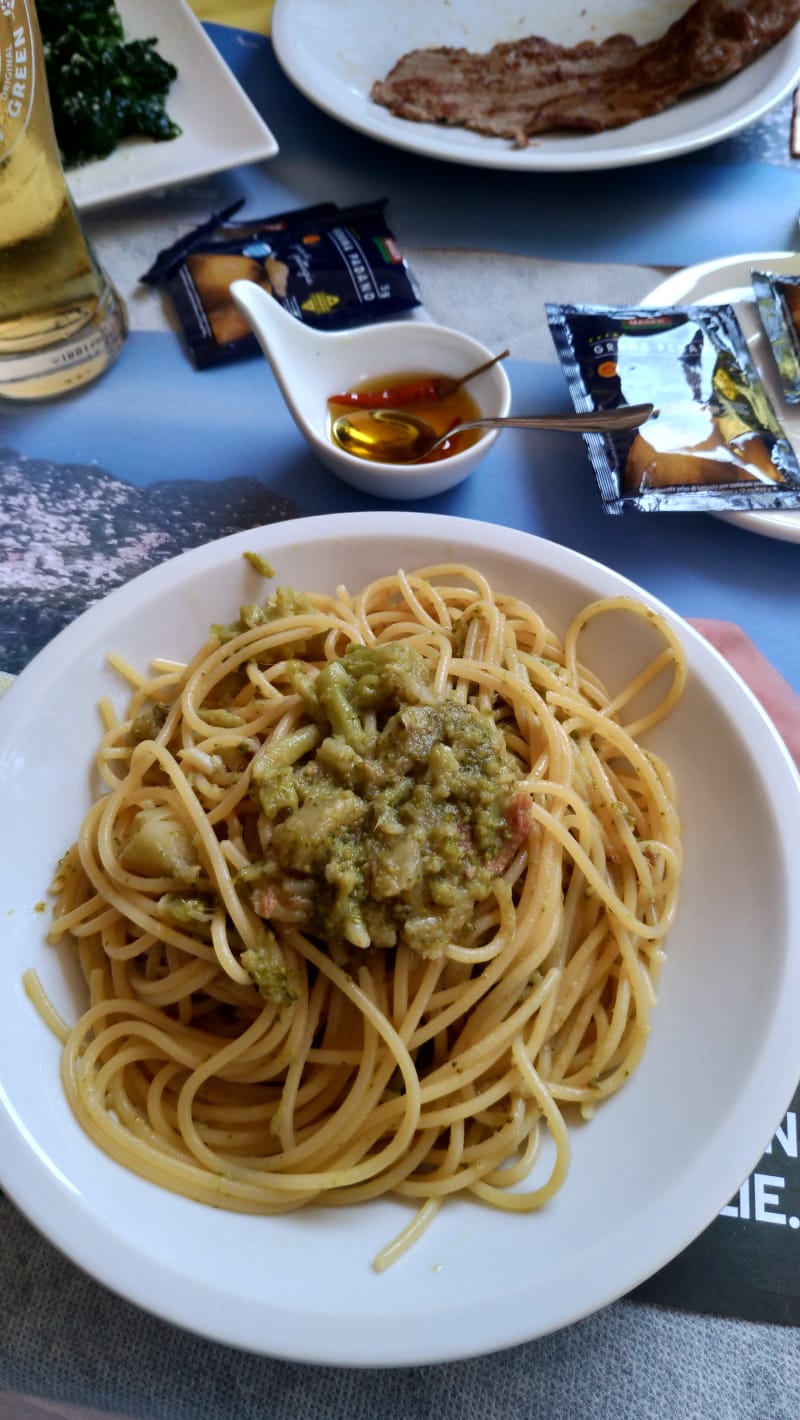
<point x="336" y="53"/>
<point x="727" y="282"/>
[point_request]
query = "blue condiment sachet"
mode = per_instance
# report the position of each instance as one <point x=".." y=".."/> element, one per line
<point x="331" y="267"/>
<point x="714" y="442"/>
<point x="778" y="301"/>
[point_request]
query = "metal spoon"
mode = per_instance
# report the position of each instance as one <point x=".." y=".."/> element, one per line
<point x="447" y="384"/>
<point x="395" y="436"/>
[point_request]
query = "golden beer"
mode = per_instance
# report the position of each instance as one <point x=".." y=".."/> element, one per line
<point x="61" y="321"/>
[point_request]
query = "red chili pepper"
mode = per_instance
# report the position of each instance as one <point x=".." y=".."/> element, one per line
<point x="393" y="397"/>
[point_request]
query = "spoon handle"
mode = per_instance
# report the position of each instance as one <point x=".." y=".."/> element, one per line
<point x="629" y="416"/>
<point x="448" y="385"/>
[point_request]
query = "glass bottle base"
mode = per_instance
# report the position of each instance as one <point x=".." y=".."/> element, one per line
<point x="67" y="364"/>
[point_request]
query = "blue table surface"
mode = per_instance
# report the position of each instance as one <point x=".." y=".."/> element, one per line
<point x="739" y="195"/>
<point x="232" y="422"/>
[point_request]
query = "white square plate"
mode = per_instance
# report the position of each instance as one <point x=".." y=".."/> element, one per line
<point x="220" y="128"/>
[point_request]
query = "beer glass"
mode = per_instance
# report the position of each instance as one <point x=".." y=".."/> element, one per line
<point x="61" y="321"/>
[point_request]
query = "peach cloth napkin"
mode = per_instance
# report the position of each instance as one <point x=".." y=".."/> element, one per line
<point x="767" y="684"/>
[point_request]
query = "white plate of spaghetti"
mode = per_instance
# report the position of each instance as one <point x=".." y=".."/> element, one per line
<point x="415" y="988"/>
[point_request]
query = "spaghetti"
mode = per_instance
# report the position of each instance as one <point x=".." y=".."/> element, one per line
<point x="244" y="1050"/>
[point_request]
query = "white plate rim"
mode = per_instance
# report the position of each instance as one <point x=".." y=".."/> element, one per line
<point x="316" y="71"/>
<point x="710" y="282"/>
<point x="204" y="90"/>
<point x="51" y="1202"/>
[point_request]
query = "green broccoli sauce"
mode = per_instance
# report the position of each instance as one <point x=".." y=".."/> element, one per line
<point x="266" y="966"/>
<point x="390" y="812"/>
<point x="394" y="802"/>
<point x="283" y="602"/>
<point x="260" y="564"/>
<point x="103" y="88"/>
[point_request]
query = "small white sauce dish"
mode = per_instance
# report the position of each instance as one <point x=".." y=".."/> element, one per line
<point x="311" y="365"/>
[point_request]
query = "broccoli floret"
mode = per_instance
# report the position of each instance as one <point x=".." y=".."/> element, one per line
<point x="266" y="966"/>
